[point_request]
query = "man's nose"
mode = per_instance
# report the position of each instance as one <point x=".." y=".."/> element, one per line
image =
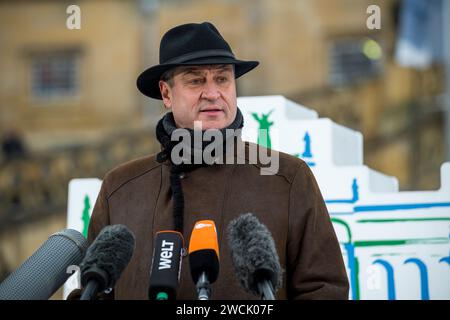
<point x="210" y="91"/>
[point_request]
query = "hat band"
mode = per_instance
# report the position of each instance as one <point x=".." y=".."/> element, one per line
<point x="200" y="54"/>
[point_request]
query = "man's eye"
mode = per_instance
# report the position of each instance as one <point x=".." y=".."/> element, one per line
<point x="222" y="79"/>
<point x="195" y="81"/>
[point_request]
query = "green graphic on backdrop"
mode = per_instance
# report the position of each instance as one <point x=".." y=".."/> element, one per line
<point x="85" y="216"/>
<point x="264" y="127"/>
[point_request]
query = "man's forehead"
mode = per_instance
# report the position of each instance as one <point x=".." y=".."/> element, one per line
<point x="202" y="68"/>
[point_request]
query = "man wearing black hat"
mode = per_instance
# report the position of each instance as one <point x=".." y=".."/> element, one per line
<point x="195" y="79"/>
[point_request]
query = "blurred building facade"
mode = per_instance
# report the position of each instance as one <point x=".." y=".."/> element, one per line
<point x="72" y="93"/>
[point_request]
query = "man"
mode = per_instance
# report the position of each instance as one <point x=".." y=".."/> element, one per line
<point x="13" y="147"/>
<point x="196" y="82"/>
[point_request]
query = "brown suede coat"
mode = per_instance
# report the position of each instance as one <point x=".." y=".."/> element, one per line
<point x="137" y="194"/>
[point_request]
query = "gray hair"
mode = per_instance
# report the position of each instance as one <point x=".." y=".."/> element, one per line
<point x="168" y="75"/>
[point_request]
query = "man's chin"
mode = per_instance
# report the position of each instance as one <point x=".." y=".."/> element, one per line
<point x="208" y="124"/>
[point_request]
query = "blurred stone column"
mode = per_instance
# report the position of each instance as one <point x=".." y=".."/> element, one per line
<point x="446" y="42"/>
<point x="151" y="109"/>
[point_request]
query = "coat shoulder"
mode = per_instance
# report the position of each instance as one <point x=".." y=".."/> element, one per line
<point x="128" y="171"/>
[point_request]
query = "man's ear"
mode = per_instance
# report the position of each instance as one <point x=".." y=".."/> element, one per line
<point x="166" y="94"/>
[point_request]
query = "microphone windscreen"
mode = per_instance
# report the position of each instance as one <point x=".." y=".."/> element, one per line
<point x="204" y="251"/>
<point x="45" y="271"/>
<point x="253" y="253"/>
<point x="166" y="265"/>
<point x="108" y="256"/>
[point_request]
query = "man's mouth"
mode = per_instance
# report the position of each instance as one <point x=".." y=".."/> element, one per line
<point x="211" y="111"/>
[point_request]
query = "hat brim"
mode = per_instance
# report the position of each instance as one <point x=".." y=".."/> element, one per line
<point x="148" y="81"/>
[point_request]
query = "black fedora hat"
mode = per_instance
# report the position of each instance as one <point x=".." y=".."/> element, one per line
<point x="186" y="45"/>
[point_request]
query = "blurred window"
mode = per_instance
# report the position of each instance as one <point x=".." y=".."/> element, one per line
<point x="354" y="60"/>
<point x="54" y="75"/>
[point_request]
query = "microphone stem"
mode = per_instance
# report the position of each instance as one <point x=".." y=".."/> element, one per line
<point x="266" y="290"/>
<point x="90" y="291"/>
<point x="203" y="287"/>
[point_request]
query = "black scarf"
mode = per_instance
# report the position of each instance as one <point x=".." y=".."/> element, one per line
<point x="164" y="130"/>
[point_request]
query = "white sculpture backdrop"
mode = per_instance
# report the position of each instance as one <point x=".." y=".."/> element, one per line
<point x="396" y="245"/>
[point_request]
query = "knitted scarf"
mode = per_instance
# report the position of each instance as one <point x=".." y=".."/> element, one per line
<point x="164" y="129"/>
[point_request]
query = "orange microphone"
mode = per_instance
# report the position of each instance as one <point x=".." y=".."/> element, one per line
<point x="204" y="257"/>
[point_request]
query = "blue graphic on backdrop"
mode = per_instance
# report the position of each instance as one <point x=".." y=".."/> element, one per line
<point x="306" y="155"/>
<point x="390" y="277"/>
<point x="425" y="292"/>
<point x="355" y="195"/>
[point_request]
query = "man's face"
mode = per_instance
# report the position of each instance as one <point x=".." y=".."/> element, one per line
<point x="201" y="93"/>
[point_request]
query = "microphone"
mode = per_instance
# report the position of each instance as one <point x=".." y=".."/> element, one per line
<point x="204" y="257"/>
<point x="45" y="271"/>
<point x="166" y="265"/>
<point x="105" y="260"/>
<point x="254" y="256"/>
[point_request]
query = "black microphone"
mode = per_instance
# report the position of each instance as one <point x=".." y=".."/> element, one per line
<point x="204" y="257"/>
<point x="106" y="259"/>
<point x="166" y="265"/>
<point x="254" y="256"/>
<point x="45" y="271"/>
